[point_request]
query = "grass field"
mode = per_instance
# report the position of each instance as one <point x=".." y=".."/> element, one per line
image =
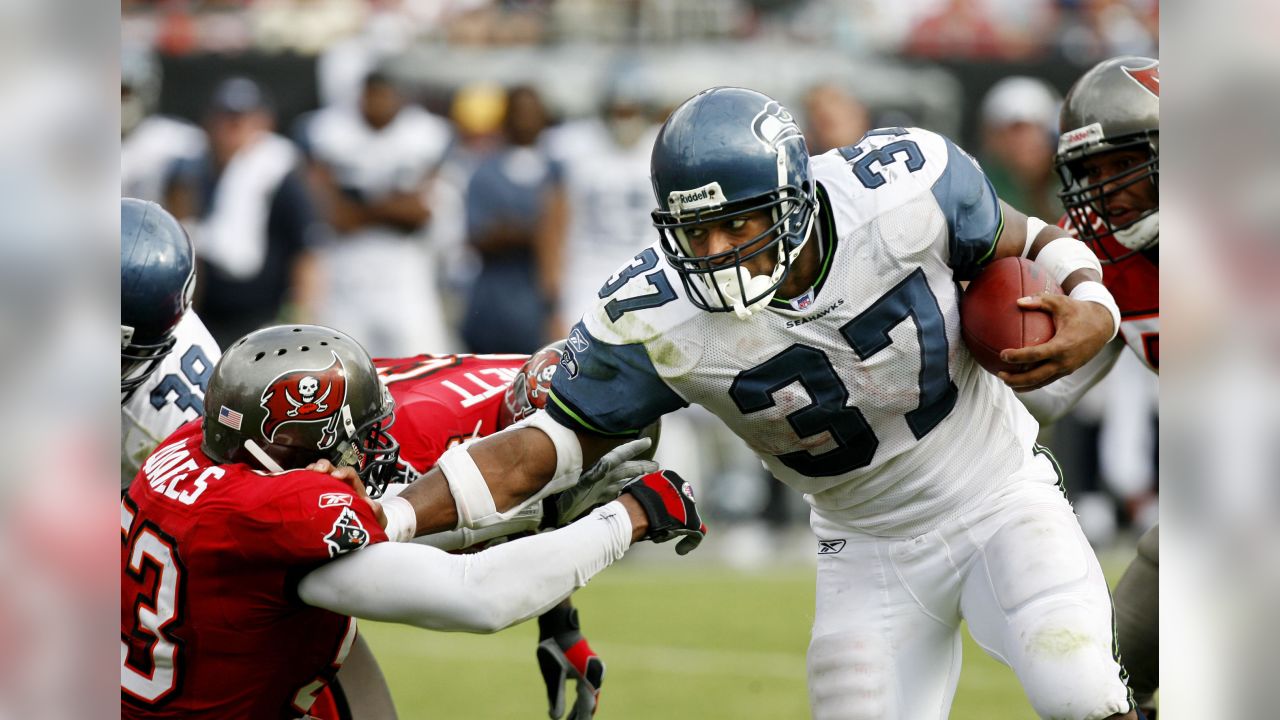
<point x="680" y="641"/>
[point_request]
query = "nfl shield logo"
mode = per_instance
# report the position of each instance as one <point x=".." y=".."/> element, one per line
<point x="804" y="302"/>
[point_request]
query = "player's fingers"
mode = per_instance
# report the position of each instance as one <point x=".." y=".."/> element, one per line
<point x="1033" y="354"/>
<point x="1037" y="376"/>
<point x="322" y="465"/>
<point x="1031" y="302"/>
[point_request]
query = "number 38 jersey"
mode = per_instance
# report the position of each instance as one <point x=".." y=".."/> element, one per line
<point x="859" y="393"/>
<point x="173" y="395"/>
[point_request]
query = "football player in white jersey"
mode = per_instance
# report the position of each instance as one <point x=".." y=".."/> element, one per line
<point x="151" y="146"/>
<point x="1109" y="160"/>
<point x="606" y="176"/>
<point x="372" y="167"/>
<point x="166" y="354"/>
<point x="812" y="304"/>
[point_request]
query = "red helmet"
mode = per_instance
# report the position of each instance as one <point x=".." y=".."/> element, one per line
<point x="529" y="390"/>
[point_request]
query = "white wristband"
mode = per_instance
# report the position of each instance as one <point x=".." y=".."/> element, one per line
<point x="1094" y="291"/>
<point x="402" y="519"/>
<point x="466" y="484"/>
<point x="1034" y="226"/>
<point x="1065" y="255"/>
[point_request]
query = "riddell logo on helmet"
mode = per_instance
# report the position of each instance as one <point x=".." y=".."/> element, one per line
<point x="709" y="195"/>
<point x="306" y="396"/>
<point x="1080" y="136"/>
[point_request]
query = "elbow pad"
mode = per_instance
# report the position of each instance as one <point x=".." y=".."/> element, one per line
<point x="476" y="507"/>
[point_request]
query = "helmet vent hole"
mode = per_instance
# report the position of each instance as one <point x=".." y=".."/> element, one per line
<point x="259" y="356"/>
<point x="281" y="351"/>
<point x="304" y="348"/>
<point x="324" y="342"/>
<point x="297" y="329"/>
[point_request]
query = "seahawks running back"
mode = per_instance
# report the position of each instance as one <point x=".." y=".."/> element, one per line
<point x="811" y="303"/>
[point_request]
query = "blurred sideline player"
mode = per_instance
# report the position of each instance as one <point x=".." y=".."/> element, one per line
<point x="151" y="146"/>
<point x="234" y="601"/>
<point x="813" y="306"/>
<point x="166" y="354"/>
<point x="1109" y="161"/>
<point x="371" y="168"/>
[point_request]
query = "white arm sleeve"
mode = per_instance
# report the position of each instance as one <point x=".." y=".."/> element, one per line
<point x="483" y="592"/>
<point x="1051" y="402"/>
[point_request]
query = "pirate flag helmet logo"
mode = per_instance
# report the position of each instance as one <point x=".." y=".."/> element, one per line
<point x="306" y="396"/>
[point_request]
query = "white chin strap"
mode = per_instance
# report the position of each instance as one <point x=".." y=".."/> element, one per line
<point x="727" y="279"/>
<point x="1141" y="234"/>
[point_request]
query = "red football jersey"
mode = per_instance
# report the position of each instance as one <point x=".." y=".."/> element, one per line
<point x="1135" y="284"/>
<point x="210" y="626"/>
<point x="441" y="400"/>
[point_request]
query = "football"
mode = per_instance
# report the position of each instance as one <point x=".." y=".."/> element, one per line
<point x="990" y="319"/>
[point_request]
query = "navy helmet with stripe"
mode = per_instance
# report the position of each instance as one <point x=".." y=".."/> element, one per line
<point x="729" y="151"/>
<point x="157" y="278"/>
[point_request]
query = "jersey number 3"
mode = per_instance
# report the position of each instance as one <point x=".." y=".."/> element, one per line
<point x="752" y="390"/>
<point x="149" y="664"/>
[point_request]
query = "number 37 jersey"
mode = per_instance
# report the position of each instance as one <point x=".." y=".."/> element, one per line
<point x="859" y="393"/>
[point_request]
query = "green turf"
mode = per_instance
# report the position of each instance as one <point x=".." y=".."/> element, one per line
<point x="679" y="642"/>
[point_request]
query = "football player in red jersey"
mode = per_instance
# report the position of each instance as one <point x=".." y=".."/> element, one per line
<point x="443" y="400"/>
<point x="239" y="577"/>
<point x="1109" y="161"/>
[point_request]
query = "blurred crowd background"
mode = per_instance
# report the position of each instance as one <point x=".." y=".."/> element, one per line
<point x="461" y="176"/>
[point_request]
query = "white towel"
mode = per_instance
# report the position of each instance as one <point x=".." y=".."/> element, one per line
<point x="233" y="237"/>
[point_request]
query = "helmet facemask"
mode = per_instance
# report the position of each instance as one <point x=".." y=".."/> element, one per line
<point x="1086" y="201"/>
<point x="719" y="282"/>
<point x="139" y="360"/>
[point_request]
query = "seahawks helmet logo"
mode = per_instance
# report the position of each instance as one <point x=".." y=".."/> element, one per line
<point x="775" y="125"/>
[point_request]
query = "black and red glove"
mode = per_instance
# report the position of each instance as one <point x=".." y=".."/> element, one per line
<point x="667" y="500"/>
<point x="563" y="654"/>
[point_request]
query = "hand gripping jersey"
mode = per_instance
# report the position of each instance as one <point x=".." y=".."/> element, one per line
<point x="1134" y="281"/>
<point x="210" y="554"/>
<point x="859" y="393"/>
<point x="442" y="400"/>
<point x="173" y="395"/>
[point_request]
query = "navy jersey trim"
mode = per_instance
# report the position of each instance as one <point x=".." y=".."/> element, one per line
<point x="974" y="217"/>
<point x="608" y="390"/>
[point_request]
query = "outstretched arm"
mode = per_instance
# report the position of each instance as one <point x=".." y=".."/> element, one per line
<point x="482" y="592"/>
<point x="515" y="464"/>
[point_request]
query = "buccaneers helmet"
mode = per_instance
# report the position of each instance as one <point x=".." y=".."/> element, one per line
<point x="725" y="152"/>
<point x="285" y="396"/>
<point x="157" y="278"/>
<point x="527" y="393"/>
<point x="1115" y="106"/>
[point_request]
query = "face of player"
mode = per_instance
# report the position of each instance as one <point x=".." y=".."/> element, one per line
<point x="723" y="235"/>
<point x="1129" y="199"/>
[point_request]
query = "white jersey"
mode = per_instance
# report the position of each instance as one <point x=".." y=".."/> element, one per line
<point x="860" y="394"/>
<point x="172" y="396"/>
<point x="610" y="199"/>
<point x="150" y="152"/>
<point x="387" y="296"/>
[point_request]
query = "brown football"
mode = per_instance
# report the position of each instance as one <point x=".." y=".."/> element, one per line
<point x="990" y="319"/>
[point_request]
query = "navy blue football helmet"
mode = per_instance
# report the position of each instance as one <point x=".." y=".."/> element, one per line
<point x="725" y="152"/>
<point x="157" y="278"/>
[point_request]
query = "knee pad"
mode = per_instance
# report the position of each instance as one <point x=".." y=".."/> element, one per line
<point x="1065" y="662"/>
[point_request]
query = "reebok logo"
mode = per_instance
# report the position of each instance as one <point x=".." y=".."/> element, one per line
<point x="830" y="547"/>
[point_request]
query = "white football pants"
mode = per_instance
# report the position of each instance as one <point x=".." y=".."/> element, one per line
<point x="886" y="634"/>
